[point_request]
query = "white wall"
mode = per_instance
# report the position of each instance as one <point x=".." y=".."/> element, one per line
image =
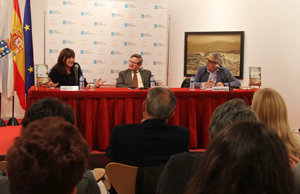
<point x="272" y="39"/>
<point x="37" y="10"/>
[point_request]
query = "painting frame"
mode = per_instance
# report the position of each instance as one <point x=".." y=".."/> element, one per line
<point x="198" y="45"/>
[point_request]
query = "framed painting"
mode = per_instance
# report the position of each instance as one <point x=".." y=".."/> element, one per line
<point x="198" y="46"/>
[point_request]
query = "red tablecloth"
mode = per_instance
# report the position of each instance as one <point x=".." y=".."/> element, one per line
<point x="98" y="111"/>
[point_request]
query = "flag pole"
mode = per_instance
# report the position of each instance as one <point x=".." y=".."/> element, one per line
<point x="2" y="123"/>
<point x="45" y="36"/>
<point x="13" y="121"/>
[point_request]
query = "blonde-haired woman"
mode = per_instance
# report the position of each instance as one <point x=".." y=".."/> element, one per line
<point x="270" y="108"/>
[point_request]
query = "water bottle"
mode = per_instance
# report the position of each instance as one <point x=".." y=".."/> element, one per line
<point x="152" y="81"/>
<point x="81" y="82"/>
<point x="192" y="83"/>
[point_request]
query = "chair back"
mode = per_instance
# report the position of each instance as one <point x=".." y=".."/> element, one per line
<point x="185" y="83"/>
<point x="122" y="177"/>
<point x="3" y="165"/>
<point x="147" y="178"/>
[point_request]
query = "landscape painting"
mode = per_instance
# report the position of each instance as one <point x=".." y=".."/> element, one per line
<point x="198" y="46"/>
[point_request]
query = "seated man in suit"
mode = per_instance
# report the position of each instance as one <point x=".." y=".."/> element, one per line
<point x="153" y="141"/>
<point x="210" y="75"/>
<point x="134" y="75"/>
<point x="181" y="167"/>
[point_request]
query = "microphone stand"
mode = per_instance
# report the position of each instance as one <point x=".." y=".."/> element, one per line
<point x="76" y="73"/>
<point x="223" y="70"/>
<point x="230" y="88"/>
<point x="13" y="121"/>
<point x="2" y="123"/>
<point x="76" y="67"/>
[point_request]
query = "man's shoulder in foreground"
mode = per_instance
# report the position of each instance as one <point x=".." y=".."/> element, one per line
<point x="179" y="169"/>
<point x="186" y="158"/>
<point x="146" y="144"/>
<point x="122" y="127"/>
<point x="154" y="125"/>
<point x="4" y="185"/>
<point x="296" y="171"/>
<point x="88" y="184"/>
<point x="155" y="122"/>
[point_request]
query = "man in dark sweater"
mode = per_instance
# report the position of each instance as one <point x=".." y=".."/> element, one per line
<point x="153" y="141"/>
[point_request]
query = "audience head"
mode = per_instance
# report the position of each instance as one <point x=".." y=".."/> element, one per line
<point x="246" y="157"/>
<point x="271" y="110"/>
<point x="160" y="102"/>
<point x="46" y="107"/>
<point x="49" y="157"/>
<point x="231" y="111"/>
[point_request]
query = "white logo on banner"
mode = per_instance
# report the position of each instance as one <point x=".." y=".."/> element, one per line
<point x="105" y="34"/>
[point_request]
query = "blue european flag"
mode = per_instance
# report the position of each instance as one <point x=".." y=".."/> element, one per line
<point x="29" y="65"/>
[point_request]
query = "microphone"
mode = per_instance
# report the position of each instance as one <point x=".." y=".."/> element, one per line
<point x="76" y="66"/>
<point x="222" y="69"/>
<point x="141" y="68"/>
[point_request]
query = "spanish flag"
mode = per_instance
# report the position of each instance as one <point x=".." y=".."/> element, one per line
<point x="17" y="48"/>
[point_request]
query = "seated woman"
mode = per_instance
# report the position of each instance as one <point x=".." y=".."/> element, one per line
<point x="270" y="109"/>
<point x="245" y="157"/>
<point x="63" y="72"/>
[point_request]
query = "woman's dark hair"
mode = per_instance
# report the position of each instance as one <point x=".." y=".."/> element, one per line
<point x="245" y="157"/>
<point x="61" y="61"/>
<point x="47" y="107"/>
<point x="49" y="157"/>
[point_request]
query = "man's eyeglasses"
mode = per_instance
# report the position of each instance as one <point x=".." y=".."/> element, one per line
<point x="214" y="62"/>
<point x="132" y="62"/>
